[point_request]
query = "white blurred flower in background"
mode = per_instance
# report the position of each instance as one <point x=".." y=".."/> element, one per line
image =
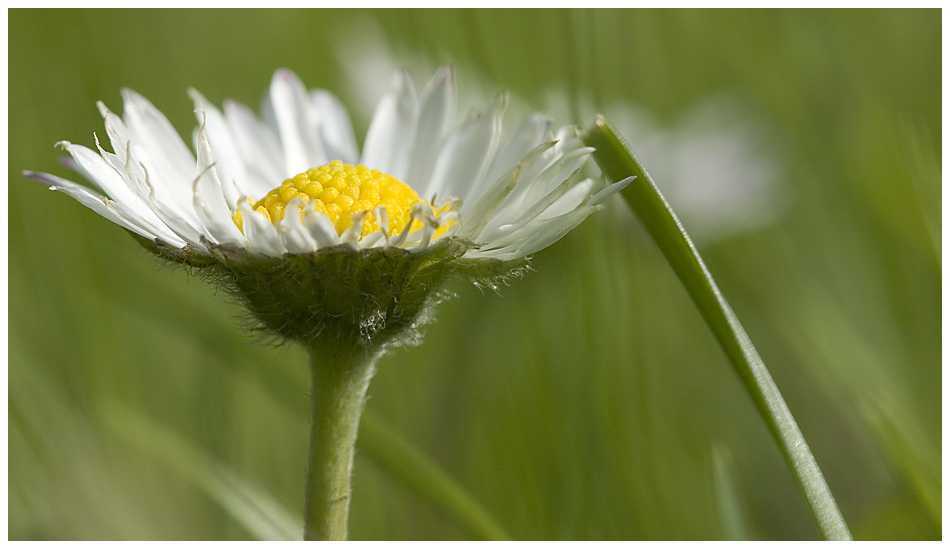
<point x="717" y="163"/>
<point x="715" y="166"/>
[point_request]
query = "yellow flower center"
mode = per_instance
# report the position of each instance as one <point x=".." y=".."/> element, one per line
<point x="340" y="190"/>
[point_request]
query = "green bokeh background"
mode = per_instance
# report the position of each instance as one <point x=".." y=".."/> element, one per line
<point x="587" y="401"/>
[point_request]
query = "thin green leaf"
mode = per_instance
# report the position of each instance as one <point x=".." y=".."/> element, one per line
<point x="731" y="513"/>
<point x="406" y="462"/>
<point x="617" y="162"/>
<point x="251" y="506"/>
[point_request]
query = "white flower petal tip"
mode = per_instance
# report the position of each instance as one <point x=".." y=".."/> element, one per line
<point x="292" y="231"/>
<point x="351" y="236"/>
<point x="103" y="110"/>
<point x="499" y="197"/>
<point x="69" y="164"/>
<point x="611" y="190"/>
<point x="41" y="177"/>
<point x="382" y="219"/>
<point x="321" y="229"/>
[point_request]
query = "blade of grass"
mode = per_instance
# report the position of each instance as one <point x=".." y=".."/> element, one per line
<point x="392" y="452"/>
<point x="617" y="162"/>
<point x="251" y="506"/>
<point x="731" y="513"/>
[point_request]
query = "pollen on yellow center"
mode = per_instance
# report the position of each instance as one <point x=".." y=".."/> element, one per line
<point x="340" y="190"/>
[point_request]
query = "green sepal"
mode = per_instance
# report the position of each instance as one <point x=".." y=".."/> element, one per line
<point x="360" y="298"/>
<point x="188" y="256"/>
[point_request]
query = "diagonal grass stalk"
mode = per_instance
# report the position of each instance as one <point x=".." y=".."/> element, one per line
<point x="249" y="504"/>
<point x="406" y="463"/>
<point x="617" y="161"/>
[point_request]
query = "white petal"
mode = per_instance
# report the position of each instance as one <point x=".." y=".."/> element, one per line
<point x="387" y="141"/>
<point x="543" y="175"/>
<point x="428" y="229"/>
<point x="566" y="144"/>
<point x="128" y="158"/>
<point x="500" y="227"/>
<point x="106" y="208"/>
<point x="452" y="219"/>
<point x="321" y="229"/>
<point x="227" y="158"/>
<point x="403" y="235"/>
<point x="118" y="134"/>
<point x="334" y="127"/>
<point x="71" y="164"/>
<point x="108" y="179"/>
<point x="286" y="109"/>
<point x="164" y="210"/>
<point x="292" y="232"/>
<point x="259" y="148"/>
<point x="569" y="200"/>
<point x="494" y="198"/>
<point x="210" y="204"/>
<point x="537" y="236"/>
<point x="260" y="232"/>
<point x="466" y="154"/>
<point x="88" y="198"/>
<point x="532" y="132"/>
<point x="159" y="147"/>
<point x="382" y="219"/>
<point x="351" y="236"/>
<point x="611" y="190"/>
<point x="436" y="110"/>
<point x="371" y="240"/>
<point x="183" y="222"/>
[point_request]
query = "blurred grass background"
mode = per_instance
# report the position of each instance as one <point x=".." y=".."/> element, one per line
<point x="587" y="401"/>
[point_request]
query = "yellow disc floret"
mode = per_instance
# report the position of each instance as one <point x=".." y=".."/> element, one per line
<point x="340" y="190"/>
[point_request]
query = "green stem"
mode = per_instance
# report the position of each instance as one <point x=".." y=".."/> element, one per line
<point x="341" y="376"/>
<point x="617" y="162"/>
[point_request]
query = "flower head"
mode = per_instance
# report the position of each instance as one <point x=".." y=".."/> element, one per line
<point x="285" y="205"/>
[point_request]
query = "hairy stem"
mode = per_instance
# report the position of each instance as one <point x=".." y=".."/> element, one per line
<point x="341" y="376"/>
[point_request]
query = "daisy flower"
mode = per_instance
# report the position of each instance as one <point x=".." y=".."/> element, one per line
<point x="507" y="200"/>
<point x="337" y="249"/>
<point x="283" y="204"/>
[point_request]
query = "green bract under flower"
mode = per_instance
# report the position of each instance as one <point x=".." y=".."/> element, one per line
<point x="359" y="258"/>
